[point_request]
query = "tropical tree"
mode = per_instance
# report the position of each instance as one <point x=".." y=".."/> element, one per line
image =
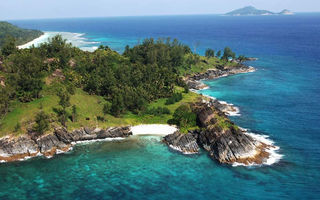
<point x="64" y="102"/>
<point x="41" y="122"/>
<point x="228" y="53"/>
<point x="219" y="53"/>
<point x="26" y="73"/>
<point x="209" y="53"/>
<point x="9" y="46"/>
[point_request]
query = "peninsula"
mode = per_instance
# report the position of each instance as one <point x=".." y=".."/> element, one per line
<point x="56" y="95"/>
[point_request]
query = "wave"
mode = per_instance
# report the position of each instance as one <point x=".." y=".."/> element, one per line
<point x="76" y="39"/>
<point x="230" y="109"/>
<point x="273" y="150"/>
<point x="97" y="140"/>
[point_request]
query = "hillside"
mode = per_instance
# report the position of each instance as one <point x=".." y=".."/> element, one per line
<point x="22" y="36"/>
<point x="62" y="85"/>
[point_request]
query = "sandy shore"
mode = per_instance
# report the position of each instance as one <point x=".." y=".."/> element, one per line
<point x="153" y="129"/>
<point x="36" y="42"/>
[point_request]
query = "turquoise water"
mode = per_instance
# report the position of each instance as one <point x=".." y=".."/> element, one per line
<point x="280" y="100"/>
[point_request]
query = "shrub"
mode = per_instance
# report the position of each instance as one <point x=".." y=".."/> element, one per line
<point x="174" y="98"/>
<point x="106" y="108"/>
<point x="42" y="122"/>
<point x="101" y="118"/>
<point x="157" y="111"/>
<point x="17" y="127"/>
<point x="183" y="117"/>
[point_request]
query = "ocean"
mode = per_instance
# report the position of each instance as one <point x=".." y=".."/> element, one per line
<point x="280" y="100"/>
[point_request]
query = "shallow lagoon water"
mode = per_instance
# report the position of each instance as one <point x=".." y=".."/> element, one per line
<point x="280" y="100"/>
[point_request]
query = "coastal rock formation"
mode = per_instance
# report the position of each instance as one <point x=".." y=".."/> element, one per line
<point x="17" y="148"/>
<point x="12" y="148"/>
<point x="193" y="82"/>
<point x="185" y="143"/>
<point x="224" y="141"/>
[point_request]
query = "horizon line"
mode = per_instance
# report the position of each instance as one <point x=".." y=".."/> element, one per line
<point x="120" y="16"/>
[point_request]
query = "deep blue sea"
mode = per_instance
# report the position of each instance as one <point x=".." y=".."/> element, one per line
<point x="281" y="99"/>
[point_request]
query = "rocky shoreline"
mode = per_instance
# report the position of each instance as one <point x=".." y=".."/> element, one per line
<point x="226" y="144"/>
<point x="194" y="82"/>
<point x="231" y="145"/>
<point x="30" y="145"/>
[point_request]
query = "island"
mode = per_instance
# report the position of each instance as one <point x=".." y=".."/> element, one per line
<point x="252" y="11"/>
<point x="56" y="95"/>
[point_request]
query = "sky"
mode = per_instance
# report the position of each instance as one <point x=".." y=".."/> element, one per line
<point x="37" y="9"/>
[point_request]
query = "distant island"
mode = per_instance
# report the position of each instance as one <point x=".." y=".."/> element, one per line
<point x="21" y="35"/>
<point x="252" y="11"/>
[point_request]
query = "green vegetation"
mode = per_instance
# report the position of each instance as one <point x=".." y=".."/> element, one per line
<point x="21" y="36"/>
<point x="157" y="111"/>
<point x="176" y="97"/>
<point x="209" y="53"/>
<point x="74" y="88"/>
<point x="184" y="118"/>
<point x="41" y="122"/>
<point x="224" y="122"/>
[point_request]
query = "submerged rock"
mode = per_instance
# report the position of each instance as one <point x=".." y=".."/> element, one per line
<point x="185" y="143"/>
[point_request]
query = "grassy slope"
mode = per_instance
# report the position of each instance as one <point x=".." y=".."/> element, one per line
<point x="90" y="106"/>
<point x="205" y="64"/>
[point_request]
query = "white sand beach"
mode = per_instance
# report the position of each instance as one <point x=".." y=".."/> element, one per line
<point x="36" y="42"/>
<point x="76" y="39"/>
<point x="153" y="129"/>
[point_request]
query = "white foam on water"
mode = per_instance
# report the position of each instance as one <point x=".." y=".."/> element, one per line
<point x="273" y="150"/>
<point x="76" y="39"/>
<point x="179" y="149"/>
<point x="97" y="140"/>
<point x="236" y="111"/>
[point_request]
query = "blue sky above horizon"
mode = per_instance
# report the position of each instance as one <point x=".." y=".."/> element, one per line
<point x="37" y="9"/>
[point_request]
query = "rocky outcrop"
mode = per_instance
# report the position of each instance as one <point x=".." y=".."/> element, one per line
<point x="223" y="140"/>
<point x="194" y="82"/>
<point x="185" y="143"/>
<point x="61" y="140"/>
<point x="12" y="148"/>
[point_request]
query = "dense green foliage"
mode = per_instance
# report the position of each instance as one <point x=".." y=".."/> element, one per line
<point x="21" y="35"/>
<point x="184" y="117"/>
<point x="79" y="87"/>
<point x="41" y="123"/>
<point x="209" y="53"/>
<point x="9" y="46"/>
<point x="174" y="98"/>
<point x="228" y="53"/>
<point x="64" y="102"/>
<point x="25" y="73"/>
<point x="157" y="111"/>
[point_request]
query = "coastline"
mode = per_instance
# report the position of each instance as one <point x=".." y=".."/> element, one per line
<point x="60" y="141"/>
<point x="75" y="39"/>
<point x="266" y="152"/>
<point x="36" y="42"/>
<point x="260" y="151"/>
